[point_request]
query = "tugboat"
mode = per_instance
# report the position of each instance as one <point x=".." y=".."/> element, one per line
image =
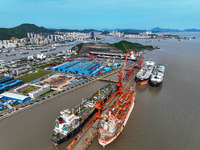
<point x="42" y="51"/>
<point x="70" y="123"/>
<point x="157" y="75"/>
<point x="143" y="76"/>
<point x="52" y="49"/>
<point x="24" y="53"/>
<point x="114" y="122"/>
<point x="10" y="55"/>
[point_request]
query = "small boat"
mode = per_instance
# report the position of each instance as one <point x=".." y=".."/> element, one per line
<point x="52" y="49"/>
<point x="42" y="51"/>
<point x="7" y="55"/>
<point x="24" y="53"/>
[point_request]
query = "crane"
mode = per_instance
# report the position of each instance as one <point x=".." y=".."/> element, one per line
<point x="130" y="72"/>
<point x="70" y="59"/>
<point x="140" y="59"/>
<point x="120" y="75"/>
<point x="98" y="105"/>
<point x="91" y="57"/>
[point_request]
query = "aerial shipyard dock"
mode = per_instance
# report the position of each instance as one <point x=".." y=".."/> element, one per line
<point x="83" y="139"/>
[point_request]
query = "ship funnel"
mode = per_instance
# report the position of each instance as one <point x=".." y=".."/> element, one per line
<point x="60" y="120"/>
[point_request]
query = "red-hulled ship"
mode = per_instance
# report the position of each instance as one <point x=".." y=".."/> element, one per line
<point x="114" y="122"/>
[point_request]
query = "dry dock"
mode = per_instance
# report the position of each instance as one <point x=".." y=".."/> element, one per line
<point x="83" y="139"/>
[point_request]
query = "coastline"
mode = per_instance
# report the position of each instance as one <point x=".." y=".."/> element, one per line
<point x="55" y="96"/>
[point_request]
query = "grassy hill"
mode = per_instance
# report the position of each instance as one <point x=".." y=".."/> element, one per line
<point x="134" y="46"/>
<point x="113" y="48"/>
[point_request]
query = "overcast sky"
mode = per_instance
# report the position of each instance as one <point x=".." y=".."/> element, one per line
<point x="100" y="14"/>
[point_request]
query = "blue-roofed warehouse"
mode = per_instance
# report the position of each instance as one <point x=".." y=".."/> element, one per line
<point x="64" y="66"/>
<point x="12" y="96"/>
<point x="8" y="83"/>
<point x="78" y="67"/>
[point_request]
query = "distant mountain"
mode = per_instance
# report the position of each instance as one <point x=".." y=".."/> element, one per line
<point x="76" y="30"/>
<point x="191" y="30"/>
<point x="21" y="31"/>
<point x="131" y="31"/>
<point x="126" y="31"/>
<point x="157" y="29"/>
<point x="31" y="28"/>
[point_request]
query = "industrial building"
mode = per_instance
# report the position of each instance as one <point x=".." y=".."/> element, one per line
<point x="8" y="83"/>
<point x="38" y="92"/>
<point x="78" y="67"/>
<point x="22" y="70"/>
<point x="64" y="66"/>
<point x="12" y="96"/>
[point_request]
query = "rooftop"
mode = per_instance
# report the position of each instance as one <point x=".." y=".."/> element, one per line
<point x="13" y="95"/>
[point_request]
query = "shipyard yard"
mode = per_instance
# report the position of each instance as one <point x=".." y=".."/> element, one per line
<point x="160" y="116"/>
<point x="57" y="81"/>
<point x="99" y="75"/>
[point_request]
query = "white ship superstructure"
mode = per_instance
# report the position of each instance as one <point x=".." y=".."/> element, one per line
<point x="113" y="123"/>
<point x="157" y="75"/>
<point x="66" y="122"/>
<point x="142" y="77"/>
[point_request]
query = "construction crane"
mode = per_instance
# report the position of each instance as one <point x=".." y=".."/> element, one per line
<point x="130" y="72"/>
<point x="53" y="64"/>
<point x="120" y="75"/>
<point x="91" y="57"/>
<point x="70" y="59"/>
<point x="98" y="105"/>
<point x="140" y="59"/>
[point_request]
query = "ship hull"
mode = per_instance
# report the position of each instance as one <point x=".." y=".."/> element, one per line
<point x="78" y="129"/>
<point x="155" y="84"/>
<point x="103" y="142"/>
<point x="75" y="131"/>
<point x="142" y="82"/>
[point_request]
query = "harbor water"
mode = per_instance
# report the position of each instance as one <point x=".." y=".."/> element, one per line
<point x="31" y="53"/>
<point x="164" y="118"/>
<point x="167" y="117"/>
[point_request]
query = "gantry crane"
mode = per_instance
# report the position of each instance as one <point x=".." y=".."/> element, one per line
<point x="70" y="59"/>
<point x="91" y="57"/>
<point x="98" y="105"/>
<point x="140" y="59"/>
<point x="120" y="75"/>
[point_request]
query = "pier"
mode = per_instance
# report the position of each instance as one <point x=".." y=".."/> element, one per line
<point x="107" y="80"/>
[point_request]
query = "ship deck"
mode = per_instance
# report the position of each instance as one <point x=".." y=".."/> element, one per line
<point x="85" y="110"/>
<point x="122" y="106"/>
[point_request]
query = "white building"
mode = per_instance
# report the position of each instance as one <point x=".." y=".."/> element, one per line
<point x="41" y="56"/>
<point x="40" y="91"/>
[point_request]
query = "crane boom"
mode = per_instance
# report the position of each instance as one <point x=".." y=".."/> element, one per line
<point x="120" y="74"/>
